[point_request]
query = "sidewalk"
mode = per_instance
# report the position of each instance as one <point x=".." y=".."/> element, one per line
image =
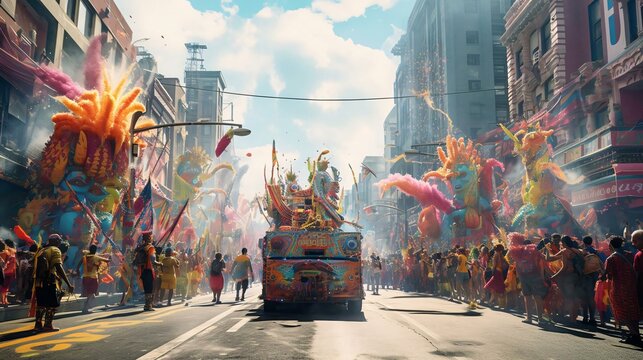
<point x="73" y="303"/>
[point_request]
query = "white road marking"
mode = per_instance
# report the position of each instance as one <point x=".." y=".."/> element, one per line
<point x="238" y="325"/>
<point x="171" y="345"/>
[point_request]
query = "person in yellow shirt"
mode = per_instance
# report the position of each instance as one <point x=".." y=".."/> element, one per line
<point x="169" y="268"/>
<point x="91" y="262"/>
<point x="462" y="277"/>
<point x="47" y="283"/>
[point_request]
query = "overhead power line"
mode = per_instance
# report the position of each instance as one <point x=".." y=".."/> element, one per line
<point x="297" y="98"/>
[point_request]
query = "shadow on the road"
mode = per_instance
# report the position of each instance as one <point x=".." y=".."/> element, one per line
<point x="570" y="331"/>
<point x="17" y="335"/>
<point x="119" y="315"/>
<point x="630" y="347"/>
<point x="434" y="312"/>
<point x="306" y="313"/>
<point x="413" y="296"/>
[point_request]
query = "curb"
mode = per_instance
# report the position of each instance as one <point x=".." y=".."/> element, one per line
<point x="20" y="311"/>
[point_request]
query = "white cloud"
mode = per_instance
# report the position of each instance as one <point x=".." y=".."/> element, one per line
<point x="229" y="7"/>
<point x="292" y="53"/>
<point x="342" y="10"/>
<point x="391" y="41"/>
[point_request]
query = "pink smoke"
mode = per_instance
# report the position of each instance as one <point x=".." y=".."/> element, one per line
<point x="425" y="193"/>
<point x="94" y="64"/>
<point x="58" y="81"/>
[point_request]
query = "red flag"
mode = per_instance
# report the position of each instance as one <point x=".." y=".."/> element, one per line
<point x="169" y="231"/>
<point x="22" y="235"/>
<point x="224" y="142"/>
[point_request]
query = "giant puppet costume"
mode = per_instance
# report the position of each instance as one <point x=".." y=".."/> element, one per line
<point x="543" y="208"/>
<point x="468" y="217"/>
<point x="83" y="166"/>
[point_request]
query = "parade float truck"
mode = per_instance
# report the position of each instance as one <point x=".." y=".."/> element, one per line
<point x="307" y="258"/>
<point x="312" y="267"/>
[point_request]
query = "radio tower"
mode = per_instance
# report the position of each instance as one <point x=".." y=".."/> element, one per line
<point x="194" y="62"/>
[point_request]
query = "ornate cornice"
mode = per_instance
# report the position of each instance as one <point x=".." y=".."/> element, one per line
<point x="518" y="17"/>
<point x="627" y="62"/>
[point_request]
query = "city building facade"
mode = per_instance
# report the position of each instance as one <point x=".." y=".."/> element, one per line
<point x="44" y="32"/>
<point x="577" y="67"/>
<point x="451" y="52"/>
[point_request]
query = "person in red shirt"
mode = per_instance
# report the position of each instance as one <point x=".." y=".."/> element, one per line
<point x="637" y="240"/>
<point x="8" y="259"/>
<point x="146" y="270"/>
<point x="623" y="293"/>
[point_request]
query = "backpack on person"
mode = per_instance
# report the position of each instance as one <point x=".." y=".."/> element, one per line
<point x="140" y="256"/>
<point x="578" y="263"/>
<point x="43" y="272"/>
<point x="592" y="264"/>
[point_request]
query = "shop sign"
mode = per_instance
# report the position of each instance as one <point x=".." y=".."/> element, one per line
<point x="609" y="190"/>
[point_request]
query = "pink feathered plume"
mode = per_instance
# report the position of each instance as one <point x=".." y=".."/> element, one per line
<point x="486" y="178"/>
<point x="58" y="81"/>
<point x="425" y="193"/>
<point x="94" y="64"/>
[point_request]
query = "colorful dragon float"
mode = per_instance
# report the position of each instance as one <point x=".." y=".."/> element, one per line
<point x="468" y="217"/>
<point x="83" y="165"/>
<point x="543" y="207"/>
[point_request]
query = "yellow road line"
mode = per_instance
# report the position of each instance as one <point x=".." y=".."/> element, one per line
<point x="21" y="328"/>
<point x="43" y="335"/>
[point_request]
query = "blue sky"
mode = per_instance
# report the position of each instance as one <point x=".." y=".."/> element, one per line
<point x="371" y="29"/>
<point x="316" y="48"/>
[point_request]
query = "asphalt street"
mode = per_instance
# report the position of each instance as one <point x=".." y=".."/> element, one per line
<point x="394" y="325"/>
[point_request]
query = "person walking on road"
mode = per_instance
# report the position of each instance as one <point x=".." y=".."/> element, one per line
<point x="376" y="273"/>
<point x="169" y="268"/>
<point x="216" y="277"/>
<point x="48" y="273"/>
<point x="91" y="262"/>
<point x="623" y="297"/>
<point x="146" y="260"/>
<point x="240" y="269"/>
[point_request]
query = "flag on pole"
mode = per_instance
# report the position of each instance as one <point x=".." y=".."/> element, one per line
<point x="166" y="236"/>
<point x="275" y="162"/>
<point x="143" y="206"/>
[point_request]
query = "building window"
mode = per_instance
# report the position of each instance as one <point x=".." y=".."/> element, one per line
<point x="545" y="37"/>
<point x="602" y="118"/>
<point x="549" y="88"/>
<point x="631" y="20"/>
<point x="473" y="59"/>
<point x="71" y="9"/>
<point x="534" y="46"/>
<point x="521" y="109"/>
<point x="475" y="85"/>
<point x="595" y="31"/>
<point x="118" y="56"/>
<point x="471" y="6"/>
<point x="85" y="19"/>
<point x="519" y="64"/>
<point x="473" y="37"/>
<point x="581" y="130"/>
